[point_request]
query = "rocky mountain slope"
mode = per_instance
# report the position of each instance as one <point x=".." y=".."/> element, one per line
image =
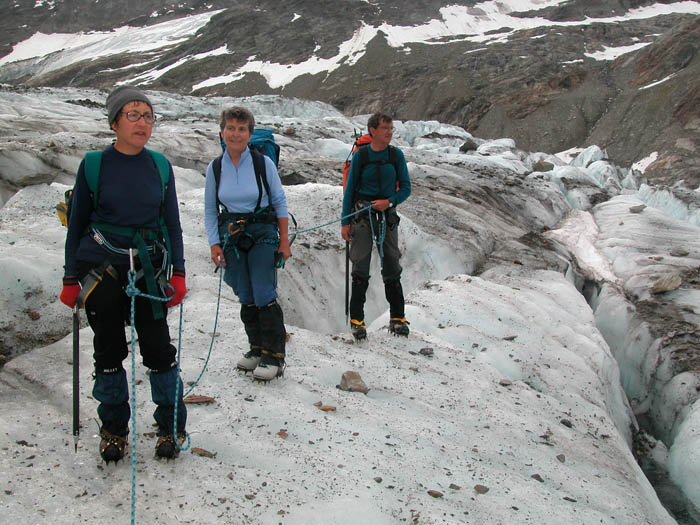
<point x="542" y="82"/>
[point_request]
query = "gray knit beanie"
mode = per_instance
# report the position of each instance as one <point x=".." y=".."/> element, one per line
<point x="121" y="96"/>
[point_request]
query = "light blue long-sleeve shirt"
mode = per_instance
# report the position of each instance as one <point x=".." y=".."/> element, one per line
<point x="238" y="191"/>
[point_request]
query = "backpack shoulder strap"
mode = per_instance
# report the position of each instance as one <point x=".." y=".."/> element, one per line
<point x="216" y="166"/>
<point x="394" y="159"/>
<point x="163" y="167"/>
<point x="163" y="170"/>
<point x="260" y="174"/>
<point x="364" y="157"/>
<point x="93" y="162"/>
<point x="364" y="160"/>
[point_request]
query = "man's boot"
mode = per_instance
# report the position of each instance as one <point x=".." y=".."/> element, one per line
<point x="399" y="326"/>
<point x="397" y="320"/>
<point x="357" y="308"/>
<point x="358" y="329"/>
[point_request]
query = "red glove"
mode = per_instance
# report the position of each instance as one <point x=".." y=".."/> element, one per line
<point x="177" y="281"/>
<point x="70" y="291"/>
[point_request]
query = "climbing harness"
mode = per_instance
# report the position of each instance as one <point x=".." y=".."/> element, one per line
<point x="236" y="228"/>
<point x="157" y="239"/>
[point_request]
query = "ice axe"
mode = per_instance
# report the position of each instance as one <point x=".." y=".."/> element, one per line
<point x="76" y="375"/>
<point x="347" y="280"/>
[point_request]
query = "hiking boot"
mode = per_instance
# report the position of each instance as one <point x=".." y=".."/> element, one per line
<point x="112" y="447"/>
<point x="358" y="329"/>
<point x="250" y="360"/>
<point x="268" y="369"/>
<point x="399" y="326"/>
<point x="166" y="448"/>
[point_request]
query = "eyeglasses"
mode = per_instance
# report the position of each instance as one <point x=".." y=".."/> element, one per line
<point x="134" y="116"/>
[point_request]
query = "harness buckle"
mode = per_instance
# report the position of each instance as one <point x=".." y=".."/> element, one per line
<point x="93" y="278"/>
<point x="148" y="234"/>
<point x="98" y="237"/>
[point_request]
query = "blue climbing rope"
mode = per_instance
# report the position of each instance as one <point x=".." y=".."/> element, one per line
<point x="379" y="236"/>
<point x="367" y="208"/>
<point x="132" y="291"/>
<point x="177" y="388"/>
<point x="133" y="405"/>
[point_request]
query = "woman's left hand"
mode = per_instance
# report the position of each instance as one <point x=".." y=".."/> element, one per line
<point x="217" y="255"/>
<point x="285" y="249"/>
<point x="177" y="281"/>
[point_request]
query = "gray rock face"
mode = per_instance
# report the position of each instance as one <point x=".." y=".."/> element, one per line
<point x="537" y="86"/>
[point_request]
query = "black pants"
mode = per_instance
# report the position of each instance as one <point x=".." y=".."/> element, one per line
<point x="107" y="307"/>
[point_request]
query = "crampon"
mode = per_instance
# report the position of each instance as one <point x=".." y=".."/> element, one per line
<point x="358" y="329"/>
<point x="166" y="448"/>
<point x="399" y="326"/>
<point x="111" y="447"/>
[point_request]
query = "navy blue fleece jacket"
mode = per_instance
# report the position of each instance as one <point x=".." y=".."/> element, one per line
<point x="129" y="194"/>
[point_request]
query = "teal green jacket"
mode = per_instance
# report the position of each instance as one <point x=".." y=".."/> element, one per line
<point x="377" y="181"/>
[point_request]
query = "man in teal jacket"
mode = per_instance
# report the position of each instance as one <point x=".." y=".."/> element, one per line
<point x="378" y="176"/>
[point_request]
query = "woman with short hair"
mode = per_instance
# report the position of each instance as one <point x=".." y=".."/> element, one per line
<point x="246" y="221"/>
<point x="124" y="199"/>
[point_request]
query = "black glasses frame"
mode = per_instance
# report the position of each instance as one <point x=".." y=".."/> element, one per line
<point x="135" y="116"/>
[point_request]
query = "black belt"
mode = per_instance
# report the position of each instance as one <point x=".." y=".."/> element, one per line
<point x="370" y="198"/>
<point x="249" y="218"/>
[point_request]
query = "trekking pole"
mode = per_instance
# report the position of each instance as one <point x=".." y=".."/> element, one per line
<point x="347" y="255"/>
<point x="76" y="375"/>
<point x="347" y="280"/>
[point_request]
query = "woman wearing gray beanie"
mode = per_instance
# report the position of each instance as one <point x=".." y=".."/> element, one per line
<point x="125" y="199"/>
